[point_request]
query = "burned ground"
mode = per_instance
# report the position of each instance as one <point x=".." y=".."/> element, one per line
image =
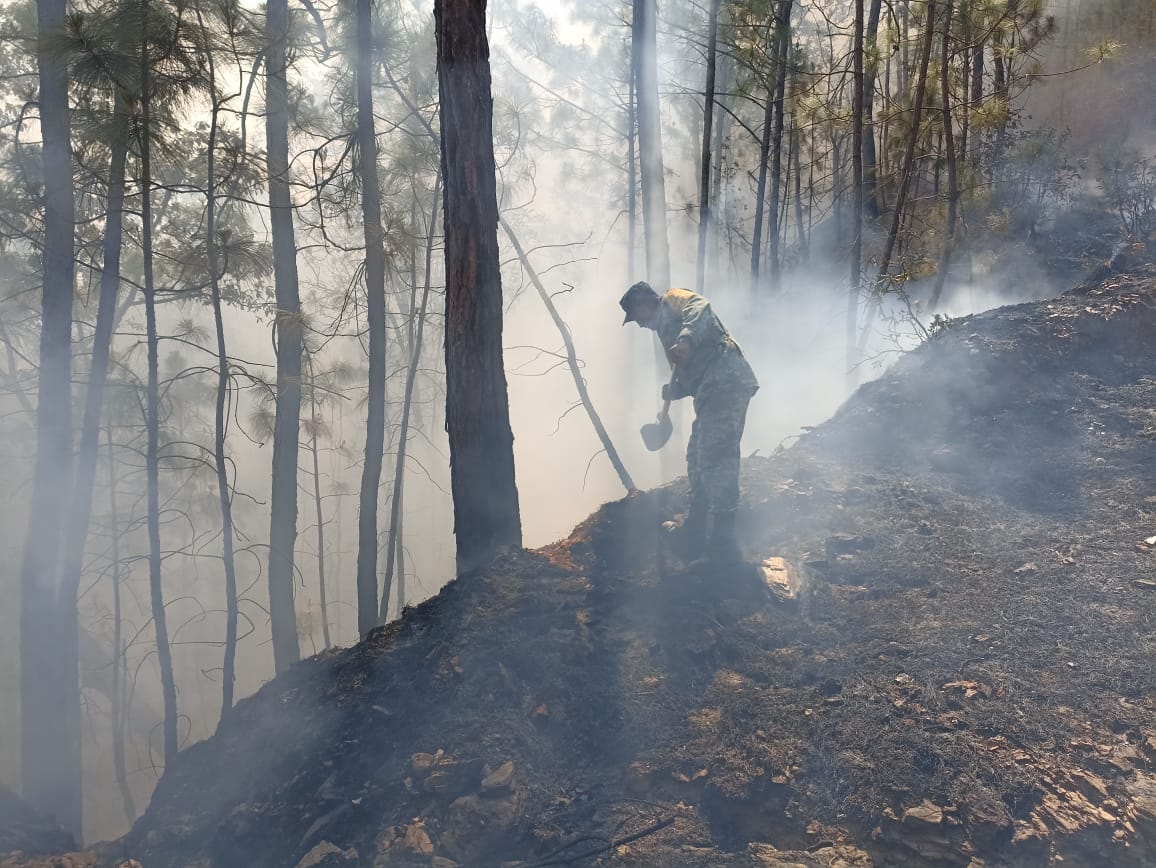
<point x="963" y="673"/>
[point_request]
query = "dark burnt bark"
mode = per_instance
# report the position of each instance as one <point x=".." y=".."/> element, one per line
<point x="367" y="602"/>
<point x="152" y="411"/>
<point x="486" y="516"/>
<point x="287" y="427"/>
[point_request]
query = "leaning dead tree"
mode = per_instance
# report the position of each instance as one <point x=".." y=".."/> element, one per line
<point x="572" y="362"/>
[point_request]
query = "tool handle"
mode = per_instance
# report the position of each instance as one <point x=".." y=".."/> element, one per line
<point x="670" y="388"/>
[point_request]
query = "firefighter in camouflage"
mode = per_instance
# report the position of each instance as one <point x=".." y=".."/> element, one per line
<point x="709" y="367"/>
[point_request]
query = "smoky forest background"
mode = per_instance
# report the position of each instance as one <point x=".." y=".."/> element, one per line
<point x="276" y="321"/>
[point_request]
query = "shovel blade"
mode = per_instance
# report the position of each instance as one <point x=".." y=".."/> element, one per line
<point x="655" y="434"/>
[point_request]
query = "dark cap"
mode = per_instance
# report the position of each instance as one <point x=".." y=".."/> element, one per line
<point x="640" y="292"/>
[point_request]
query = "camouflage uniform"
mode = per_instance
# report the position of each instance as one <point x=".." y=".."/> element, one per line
<point x="718" y="377"/>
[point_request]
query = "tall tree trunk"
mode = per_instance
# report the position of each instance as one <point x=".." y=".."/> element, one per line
<point x="632" y="170"/>
<point x="224" y="494"/>
<point x="721" y="131"/>
<point x="315" y="424"/>
<point x="965" y="24"/>
<point x="871" y="204"/>
<point x="395" y="554"/>
<point x="80" y="510"/>
<point x="486" y="515"/>
<point x="909" y="156"/>
<point x="1000" y="88"/>
<point x="952" y="173"/>
<point x="572" y="362"/>
<point x="287" y="427"/>
<point x="49" y="669"/>
<point x="704" y="215"/>
<point x="976" y="93"/>
<point x="367" y="602"/>
<point x="858" y="112"/>
<point x="782" y="56"/>
<point x="908" y="171"/>
<point x="119" y="667"/>
<point x="761" y="191"/>
<point x="152" y="409"/>
<point x="645" y="47"/>
<point x="795" y="154"/>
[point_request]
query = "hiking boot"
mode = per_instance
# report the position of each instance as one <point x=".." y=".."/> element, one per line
<point x="722" y="548"/>
<point x="688" y="537"/>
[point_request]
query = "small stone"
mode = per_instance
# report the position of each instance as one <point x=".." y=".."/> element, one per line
<point x="443" y="862"/>
<point x="422" y="762"/>
<point x="639" y="778"/>
<point x="782" y="578"/>
<point x="848" y="544"/>
<point x="499" y="778"/>
<point x="926" y="813"/>
<point x="418" y="840"/>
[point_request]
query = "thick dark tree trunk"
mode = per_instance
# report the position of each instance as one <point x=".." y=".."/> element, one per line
<point x="49" y="670"/>
<point x="152" y="410"/>
<point x="486" y="516"/>
<point x="287" y="428"/>
<point x="367" y="602"/>
<point x="644" y="44"/>
<point x="704" y="214"/>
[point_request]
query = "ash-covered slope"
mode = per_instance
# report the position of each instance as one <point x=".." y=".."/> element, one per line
<point x="966" y="677"/>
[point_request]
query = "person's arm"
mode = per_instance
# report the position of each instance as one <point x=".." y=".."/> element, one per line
<point x="697" y="330"/>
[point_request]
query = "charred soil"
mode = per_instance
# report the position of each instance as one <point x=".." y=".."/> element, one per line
<point x="958" y="668"/>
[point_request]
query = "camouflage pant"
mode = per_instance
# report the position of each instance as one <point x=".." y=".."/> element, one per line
<point x="712" y="456"/>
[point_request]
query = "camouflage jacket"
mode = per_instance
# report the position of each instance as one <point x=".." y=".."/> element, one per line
<point x="716" y="362"/>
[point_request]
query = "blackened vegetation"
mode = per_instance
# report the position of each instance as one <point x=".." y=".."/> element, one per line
<point x="23" y="829"/>
<point x="967" y="671"/>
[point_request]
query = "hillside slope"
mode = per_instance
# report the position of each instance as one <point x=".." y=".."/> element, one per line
<point x="964" y="676"/>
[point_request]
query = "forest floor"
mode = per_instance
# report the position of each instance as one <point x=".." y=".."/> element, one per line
<point x="941" y="654"/>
